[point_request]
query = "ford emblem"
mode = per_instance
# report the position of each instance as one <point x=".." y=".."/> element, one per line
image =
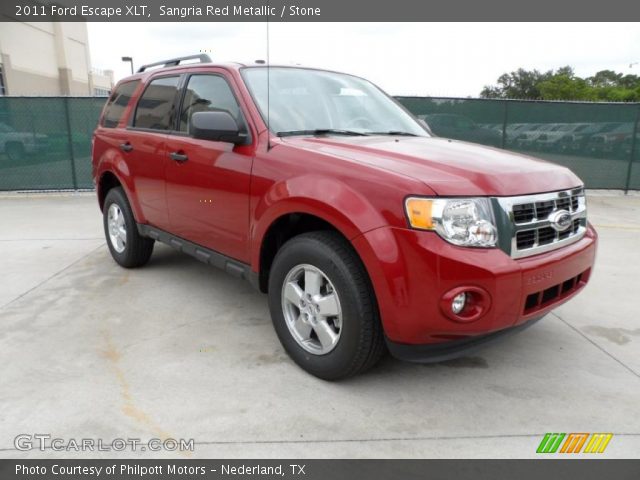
<point x="560" y="220"/>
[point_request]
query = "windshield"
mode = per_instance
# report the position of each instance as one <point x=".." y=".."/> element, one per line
<point x="303" y="101"/>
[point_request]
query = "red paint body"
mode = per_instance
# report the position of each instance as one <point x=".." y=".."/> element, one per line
<point x="358" y="185"/>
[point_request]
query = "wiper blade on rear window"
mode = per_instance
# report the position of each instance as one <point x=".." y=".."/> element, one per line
<point x="322" y="131"/>
<point x="395" y="132"/>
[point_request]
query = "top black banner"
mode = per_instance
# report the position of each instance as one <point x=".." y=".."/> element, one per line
<point x="316" y="10"/>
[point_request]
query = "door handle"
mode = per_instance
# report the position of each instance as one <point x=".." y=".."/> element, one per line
<point x="126" y="147"/>
<point x="179" y="157"/>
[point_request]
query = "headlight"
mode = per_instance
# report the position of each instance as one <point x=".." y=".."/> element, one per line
<point x="462" y="221"/>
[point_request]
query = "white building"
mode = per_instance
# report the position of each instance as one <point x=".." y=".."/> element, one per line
<point x="49" y="58"/>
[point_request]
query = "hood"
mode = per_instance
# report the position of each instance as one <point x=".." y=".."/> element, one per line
<point x="448" y="167"/>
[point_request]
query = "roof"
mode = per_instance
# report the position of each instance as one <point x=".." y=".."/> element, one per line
<point x="151" y="69"/>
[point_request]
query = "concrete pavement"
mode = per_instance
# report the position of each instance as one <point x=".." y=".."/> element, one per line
<point x="178" y="349"/>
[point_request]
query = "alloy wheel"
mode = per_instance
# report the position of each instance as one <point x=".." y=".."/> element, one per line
<point x="311" y="308"/>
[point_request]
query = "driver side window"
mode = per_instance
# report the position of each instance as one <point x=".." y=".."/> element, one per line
<point x="208" y="93"/>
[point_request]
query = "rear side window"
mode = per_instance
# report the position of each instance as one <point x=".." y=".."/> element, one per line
<point x="156" y="108"/>
<point x="117" y="103"/>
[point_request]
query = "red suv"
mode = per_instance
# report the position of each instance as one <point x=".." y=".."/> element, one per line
<point x="366" y="231"/>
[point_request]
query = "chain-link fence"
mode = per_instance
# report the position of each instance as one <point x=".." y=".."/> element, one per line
<point x="45" y="142"/>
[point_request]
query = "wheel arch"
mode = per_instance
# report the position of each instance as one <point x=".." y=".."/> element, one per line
<point x="107" y="181"/>
<point x="110" y="178"/>
<point x="282" y="229"/>
<point x="302" y="205"/>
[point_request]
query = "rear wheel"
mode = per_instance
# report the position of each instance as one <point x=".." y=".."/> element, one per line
<point x="128" y="248"/>
<point x="323" y="307"/>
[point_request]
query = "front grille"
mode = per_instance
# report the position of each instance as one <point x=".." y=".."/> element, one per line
<point x="544" y="236"/>
<point x="526" y="239"/>
<point x="574" y="202"/>
<point x="563" y="203"/>
<point x="531" y="220"/>
<point x="544" y="298"/>
<point x="575" y="227"/>
<point x="543" y="209"/>
<point x="529" y="212"/>
<point x="524" y="213"/>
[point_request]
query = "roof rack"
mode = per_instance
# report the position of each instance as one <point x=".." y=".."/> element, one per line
<point x="203" y="57"/>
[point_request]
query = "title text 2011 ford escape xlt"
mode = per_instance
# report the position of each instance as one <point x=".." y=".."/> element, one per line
<point x="367" y="232"/>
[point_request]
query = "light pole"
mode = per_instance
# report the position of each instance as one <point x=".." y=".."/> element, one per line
<point x="130" y="60"/>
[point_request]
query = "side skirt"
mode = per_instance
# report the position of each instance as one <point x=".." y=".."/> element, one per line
<point x="211" y="257"/>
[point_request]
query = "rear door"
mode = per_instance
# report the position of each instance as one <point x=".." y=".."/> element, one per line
<point x="208" y="184"/>
<point x="145" y="146"/>
<point x="110" y="134"/>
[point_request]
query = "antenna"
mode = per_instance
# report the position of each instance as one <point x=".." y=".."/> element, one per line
<point x="268" y="86"/>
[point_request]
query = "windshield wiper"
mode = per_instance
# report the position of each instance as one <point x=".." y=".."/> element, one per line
<point x="395" y="132"/>
<point x="322" y="131"/>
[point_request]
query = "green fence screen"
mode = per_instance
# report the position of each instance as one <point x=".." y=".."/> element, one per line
<point x="598" y="141"/>
<point x="45" y="142"/>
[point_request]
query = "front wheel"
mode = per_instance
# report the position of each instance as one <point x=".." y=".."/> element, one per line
<point x="323" y="307"/>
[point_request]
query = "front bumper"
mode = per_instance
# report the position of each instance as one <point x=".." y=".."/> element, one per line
<point x="411" y="271"/>
<point x="441" y="352"/>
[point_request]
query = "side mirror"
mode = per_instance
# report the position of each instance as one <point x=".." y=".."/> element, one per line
<point x="217" y="126"/>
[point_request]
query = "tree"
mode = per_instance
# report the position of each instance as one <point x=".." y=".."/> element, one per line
<point x="563" y="84"/>
<point x="519" y="84"/>
<point x="605" y="78"/>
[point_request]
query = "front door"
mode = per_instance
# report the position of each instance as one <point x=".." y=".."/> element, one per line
<point x="207" y="181"/>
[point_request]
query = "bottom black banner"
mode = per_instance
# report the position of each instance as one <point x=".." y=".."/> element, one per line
<point x="320" y="469"/>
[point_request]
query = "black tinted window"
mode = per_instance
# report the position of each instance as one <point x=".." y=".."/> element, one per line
<point x="117" y="102"/>
<point x="208" y="93"/>
<point x="156" y="106"/>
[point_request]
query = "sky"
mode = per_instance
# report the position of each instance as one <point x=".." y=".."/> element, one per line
<point x="438" y="59"/>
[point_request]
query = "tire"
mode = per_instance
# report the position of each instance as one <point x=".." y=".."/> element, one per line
<point x="355" y="342"/>
<point x="128" y="248"/>
<point x="15" y="151"/>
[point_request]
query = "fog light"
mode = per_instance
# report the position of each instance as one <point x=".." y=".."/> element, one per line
<point x="465" y="303"/>
<point x="458" y="303"/>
